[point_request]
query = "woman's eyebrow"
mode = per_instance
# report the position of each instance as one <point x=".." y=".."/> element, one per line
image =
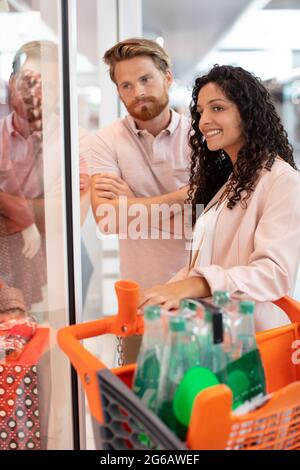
<point x="212" y="101"/>
<point x="217" y="99"/>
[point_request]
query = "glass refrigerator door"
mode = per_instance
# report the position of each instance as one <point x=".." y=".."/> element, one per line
<point x="99" y="25"/>
<point x="35" y="376"/>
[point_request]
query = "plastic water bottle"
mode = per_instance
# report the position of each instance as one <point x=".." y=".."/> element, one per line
<point x="211" y="370"/>
<point x="213" y="356"/>
<point x="245" y="327"/>
<point x="245" y="375"/>
<point x="191" y="311"/>
<point x="222" y="300"/>
<point x="146" y="378"/>
<point x="178" y="358"/>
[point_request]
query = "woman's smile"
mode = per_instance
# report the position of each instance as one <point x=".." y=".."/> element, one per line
<point x="208" y="134"/>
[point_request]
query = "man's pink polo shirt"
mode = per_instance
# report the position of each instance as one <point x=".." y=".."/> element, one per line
<point x="151" y="166"/>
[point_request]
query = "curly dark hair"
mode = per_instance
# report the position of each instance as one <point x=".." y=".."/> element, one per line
<point x="263" y="132"/>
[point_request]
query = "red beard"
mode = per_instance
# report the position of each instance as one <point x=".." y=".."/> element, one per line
<point x="150" y="110"/>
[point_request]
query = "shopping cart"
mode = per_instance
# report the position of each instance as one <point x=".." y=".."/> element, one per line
<point x="121" y="421"/>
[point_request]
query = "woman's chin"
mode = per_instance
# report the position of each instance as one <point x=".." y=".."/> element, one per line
<point x="213" y="148"/>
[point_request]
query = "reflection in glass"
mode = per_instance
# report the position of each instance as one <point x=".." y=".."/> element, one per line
<point x="35" y="405"/>
<point x="22" y="243"/>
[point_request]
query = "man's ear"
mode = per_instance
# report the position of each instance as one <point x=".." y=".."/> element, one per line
<point x="169" y="77"/>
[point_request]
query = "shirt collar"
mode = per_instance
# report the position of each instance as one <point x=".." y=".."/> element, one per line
<point x="10" y="125"/>
<point x="52" y="124"/>
<point x="131" y="124"/>
<point x="175" y="117"/>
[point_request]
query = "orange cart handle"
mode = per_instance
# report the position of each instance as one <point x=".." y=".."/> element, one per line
<point x="290" y="306"/>
<point x="85" y="363"/>
<point x="126" y="322"/>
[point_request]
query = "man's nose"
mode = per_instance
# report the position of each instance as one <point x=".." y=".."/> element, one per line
<point x="139" y="90"/>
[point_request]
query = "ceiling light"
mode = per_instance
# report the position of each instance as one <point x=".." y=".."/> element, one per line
<point x="160" y="40"/>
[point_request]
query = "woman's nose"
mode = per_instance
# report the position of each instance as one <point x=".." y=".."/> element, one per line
<point x="204" y="119"/>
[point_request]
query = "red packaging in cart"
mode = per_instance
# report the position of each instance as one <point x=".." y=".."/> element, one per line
<point x="19" y="396"/>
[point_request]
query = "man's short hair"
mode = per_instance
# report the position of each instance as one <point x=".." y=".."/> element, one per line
<point x="35" y="50"/>
<point x="135" y="47"/>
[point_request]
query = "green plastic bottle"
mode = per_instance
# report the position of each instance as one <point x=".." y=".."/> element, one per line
<point x="178" y="358"/>
<point x="213" y="356"/>
<point x="205" y="333"/>
<point x="245" y="327"/>
<point x="188" y="309"/>
<point x="222" y="300"/>
<point x="211" y="372"/>
<point x="245" y="376"/>
<point x="146" y="378"/>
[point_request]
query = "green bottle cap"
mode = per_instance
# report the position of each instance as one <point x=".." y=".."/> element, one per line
<point x="221" y="297"/>
<point x="177" y="323"/>
<point x="196" y="379"/>
<point x="246" y="307"/>
<point x="152" y="312"/>
<point x="188" y="303"/>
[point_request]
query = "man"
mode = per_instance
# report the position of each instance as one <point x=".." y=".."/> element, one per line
<point x="143" y="157"/>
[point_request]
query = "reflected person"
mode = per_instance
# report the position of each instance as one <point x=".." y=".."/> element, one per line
<point x="21" y="185"/>
<point x="24" y="133"/>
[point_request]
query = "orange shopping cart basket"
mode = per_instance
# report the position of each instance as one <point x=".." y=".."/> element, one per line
<point x="120" y="419"/>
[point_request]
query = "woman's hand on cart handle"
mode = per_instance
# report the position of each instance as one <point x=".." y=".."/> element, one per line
<point x="169" y="295"/>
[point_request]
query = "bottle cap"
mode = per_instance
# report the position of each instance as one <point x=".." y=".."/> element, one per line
<point x="189" y="304"/>
<point x="246" y="307"/>
<point x="196" y="379"/>
<point x="177" y="323"/>
<point x="152" y="312"/>
<point x="221" y="297"/>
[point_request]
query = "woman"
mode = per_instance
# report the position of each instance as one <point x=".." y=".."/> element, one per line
<point x="247" y="240"/>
